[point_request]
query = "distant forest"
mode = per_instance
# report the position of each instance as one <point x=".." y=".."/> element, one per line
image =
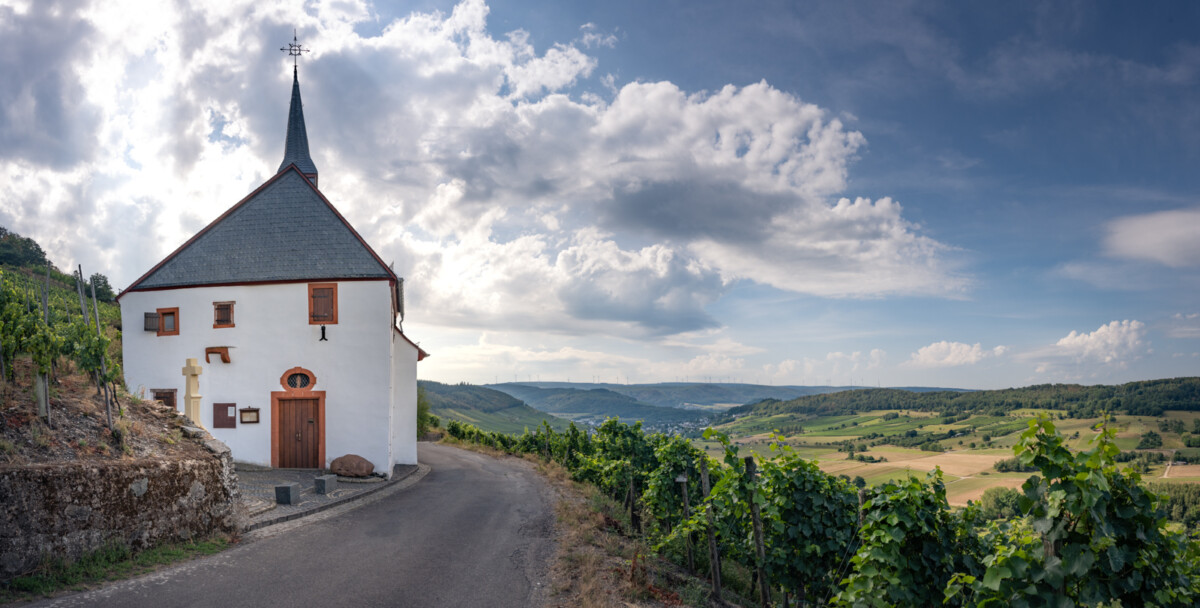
<point x="1142" y="398"/>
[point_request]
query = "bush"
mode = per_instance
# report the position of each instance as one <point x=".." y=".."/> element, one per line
<point x="1000" y="503"/>
<point x="1150" y="440"/>
<point x="1013" y="465"/>
<point x="424" y="418"/>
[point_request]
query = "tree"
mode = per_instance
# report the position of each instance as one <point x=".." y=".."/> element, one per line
<point x="859" y="482"/>
<point x="1149" y="441"/>
<point x="423" y="415"/>
<point x="20" y="251"/>
<point x="104" y="291"/>
<point x="1000" y="503"/>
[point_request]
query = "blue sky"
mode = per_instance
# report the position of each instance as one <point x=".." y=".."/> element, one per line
<point x="887" y="193"/>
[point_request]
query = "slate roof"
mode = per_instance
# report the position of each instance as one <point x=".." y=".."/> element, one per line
<point x="295" y="149"/>
<point x="284" y="231"/>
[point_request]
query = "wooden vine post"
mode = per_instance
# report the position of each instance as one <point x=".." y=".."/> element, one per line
<point x="687" y="514"/>
<point x="760" y="551"/>
<point x="87" y="318"/>
<point x="108" y="399"/>
<point x="714" y="555"/>
<point x="41" y="381"/>
<point x="634" y="520"/>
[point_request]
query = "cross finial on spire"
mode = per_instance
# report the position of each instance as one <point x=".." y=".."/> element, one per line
<point x="294" y="49"/>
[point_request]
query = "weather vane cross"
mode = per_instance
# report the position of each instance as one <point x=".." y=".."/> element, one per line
<point x="294" y="49"/>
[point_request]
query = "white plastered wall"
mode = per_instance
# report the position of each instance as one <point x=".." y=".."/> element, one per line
<point x="271" y="335"/>
<point x="404" y="400"/>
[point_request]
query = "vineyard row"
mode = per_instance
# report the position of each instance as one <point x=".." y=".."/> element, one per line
<point x="1087" y="534"/>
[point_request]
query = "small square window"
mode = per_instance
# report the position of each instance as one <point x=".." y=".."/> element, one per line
<point x="222" y="314"/>
<point x="322" y="304"/>
<point x="168" y="321"/>
<point x="166" y="395"/>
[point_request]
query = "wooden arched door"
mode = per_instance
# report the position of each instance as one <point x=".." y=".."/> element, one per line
<point x="298" y="422"/>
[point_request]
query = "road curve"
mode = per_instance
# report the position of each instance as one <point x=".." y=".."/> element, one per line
<point x="476" y="531"/>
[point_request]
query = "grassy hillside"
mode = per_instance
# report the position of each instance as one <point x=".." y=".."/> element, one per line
<point x="693" y="394"/>
<point x="596" y="405"/>
<point x="1144" y="398"/>
<point x="485" y="408"/>
<point x="881" y="435"/>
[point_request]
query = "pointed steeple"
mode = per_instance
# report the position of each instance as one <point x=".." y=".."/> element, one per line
<point x="296" y="149"/>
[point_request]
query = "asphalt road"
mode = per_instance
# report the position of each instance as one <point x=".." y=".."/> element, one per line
<point x="476" y="531"/>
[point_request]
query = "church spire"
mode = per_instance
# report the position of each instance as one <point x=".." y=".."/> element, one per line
<point x="296" y="147"/>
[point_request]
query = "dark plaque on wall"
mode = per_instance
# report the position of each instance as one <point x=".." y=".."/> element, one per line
<point x="223" y="417"/>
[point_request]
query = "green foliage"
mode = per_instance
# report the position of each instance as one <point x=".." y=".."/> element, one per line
<point x="1149" y="441"/>
<point x="24" y="328"/>
<point x="1081" y="532"/>
<point x="597" y="404"/>
<point x="484" y="408"/>
<point x="112" y="562"/>
<point x="1144" y="398"/>
<point x="1012" y="465"/>
<point x="16" y="250"/>
<point x="909" y="543"/>
<point x="424" y="421"/>
<point x="104" y="291"/>
<point x="999" y="503"/>
<point x="1181" y="502"/>
<point x="1093" y="535"/>
<point x="809" y="523"/>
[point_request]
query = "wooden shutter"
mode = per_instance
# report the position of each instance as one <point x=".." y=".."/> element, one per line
<point x="151" y="321"/>
<point x="222" y="314"/>
<point x="322" y="304"/>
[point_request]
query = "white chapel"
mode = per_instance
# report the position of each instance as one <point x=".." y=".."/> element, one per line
<point x="294" y="321"/>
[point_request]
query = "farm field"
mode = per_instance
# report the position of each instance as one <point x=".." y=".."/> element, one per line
<point x="976" y="444"/>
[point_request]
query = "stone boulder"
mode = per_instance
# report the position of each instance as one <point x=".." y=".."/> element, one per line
<point x="351" y="465"/>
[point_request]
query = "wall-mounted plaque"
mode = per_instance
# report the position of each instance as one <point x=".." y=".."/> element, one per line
<point x="249" y="415"/>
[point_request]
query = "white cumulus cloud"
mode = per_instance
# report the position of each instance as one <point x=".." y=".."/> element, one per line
<point x="951" y="354"/>
<point x="509" y="183"/>
<point x="1113" y="344"/>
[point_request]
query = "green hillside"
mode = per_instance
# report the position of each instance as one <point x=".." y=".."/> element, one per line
<point x="596" y="405"/>
<point x="485" y="408"/>
<point x="689" y="394"/>
<point x="1143" y="398"/>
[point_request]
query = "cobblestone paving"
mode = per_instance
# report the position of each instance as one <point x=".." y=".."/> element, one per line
<point x="258" y="492"/>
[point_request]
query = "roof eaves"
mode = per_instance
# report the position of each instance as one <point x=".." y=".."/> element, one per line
<point x="421" y="354"/>
<point x="133" y="286"/>
<point x="391" y="275"/>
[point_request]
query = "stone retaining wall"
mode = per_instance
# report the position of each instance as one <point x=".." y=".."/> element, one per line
<point x="68" y="510"/>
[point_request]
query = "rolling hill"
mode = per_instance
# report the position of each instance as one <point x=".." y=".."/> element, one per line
<point x="595" y="405"/>
<point x="485" y="408"/>
<point x="1142" y="398"/>
<point x="693" y="394"/>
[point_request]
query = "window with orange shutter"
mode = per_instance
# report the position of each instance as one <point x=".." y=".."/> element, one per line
<point x="222" y="314"/>
<point x="322" y="304"/>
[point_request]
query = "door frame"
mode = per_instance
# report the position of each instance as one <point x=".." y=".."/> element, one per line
<point x="297" y="393"/>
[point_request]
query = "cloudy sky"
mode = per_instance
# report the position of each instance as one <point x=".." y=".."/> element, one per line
<point x="970" y="195"/>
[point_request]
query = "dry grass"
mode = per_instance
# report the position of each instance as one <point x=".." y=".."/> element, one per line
<point x="78" y="429"/>
<point x="599" y="562"/>
<point x="1185" y="470"/>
